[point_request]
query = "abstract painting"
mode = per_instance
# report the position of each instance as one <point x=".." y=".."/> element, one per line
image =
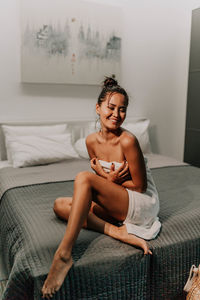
<point x="70" y="41"/>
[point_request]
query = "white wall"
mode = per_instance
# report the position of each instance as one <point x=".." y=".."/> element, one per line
<point x="158" y="47"/>
<point x="155" y="62"/>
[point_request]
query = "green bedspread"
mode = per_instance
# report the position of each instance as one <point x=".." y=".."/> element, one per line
<point x="103" y="267"/>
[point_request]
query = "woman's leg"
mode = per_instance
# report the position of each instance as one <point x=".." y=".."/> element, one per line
<point x="113" y="198"/>
<point x="62" y="208"/>
<point x="97" y="219"/>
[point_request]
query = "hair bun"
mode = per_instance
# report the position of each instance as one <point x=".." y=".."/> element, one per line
<point x="109" y="82"/>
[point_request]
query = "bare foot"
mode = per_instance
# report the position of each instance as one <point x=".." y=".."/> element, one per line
<point x="58" y="271"/>
<point x="121" y="234"/>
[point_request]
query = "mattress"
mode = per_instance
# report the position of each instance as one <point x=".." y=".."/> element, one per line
<point x="104" y="268"/>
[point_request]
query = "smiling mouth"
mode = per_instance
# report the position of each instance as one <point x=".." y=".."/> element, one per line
<point x="114" y="121"/>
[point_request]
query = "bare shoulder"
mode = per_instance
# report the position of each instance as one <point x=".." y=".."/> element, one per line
<point x="127" y="139"/>
<point x="91" y="138"/>
<point x="91" y="144"/>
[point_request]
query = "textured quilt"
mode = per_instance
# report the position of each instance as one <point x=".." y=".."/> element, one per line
<point x="103" y="267"/>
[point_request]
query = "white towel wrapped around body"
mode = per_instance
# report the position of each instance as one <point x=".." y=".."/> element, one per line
<point x="142" y="217"/>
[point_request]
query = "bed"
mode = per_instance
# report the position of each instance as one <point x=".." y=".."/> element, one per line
<point x="103" y="268"/>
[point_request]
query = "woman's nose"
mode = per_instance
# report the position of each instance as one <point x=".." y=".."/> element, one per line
<point x="116" y="112"/>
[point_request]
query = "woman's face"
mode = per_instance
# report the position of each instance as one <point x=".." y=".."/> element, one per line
<point x="112" y="111"/>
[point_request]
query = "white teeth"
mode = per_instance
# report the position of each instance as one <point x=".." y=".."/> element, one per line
<point x="113" y="121"/>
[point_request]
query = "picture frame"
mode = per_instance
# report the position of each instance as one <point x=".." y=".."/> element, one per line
<point x="69" y="42"/>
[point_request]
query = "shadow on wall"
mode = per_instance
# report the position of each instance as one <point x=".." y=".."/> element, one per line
<point x="60" y="90"/>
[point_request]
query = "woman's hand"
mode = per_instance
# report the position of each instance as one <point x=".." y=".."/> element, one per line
<point x="95" y="165"/>
<point x="120" y="175"/>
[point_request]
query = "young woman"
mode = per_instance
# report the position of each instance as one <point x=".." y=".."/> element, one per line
<point x="121" y="191"/>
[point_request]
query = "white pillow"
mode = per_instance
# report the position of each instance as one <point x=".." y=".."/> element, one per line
<point x="81" y="148"/>
<point x="140" y="130"/>
<point x="39" y="150"/>
<point x="43" y="130"/>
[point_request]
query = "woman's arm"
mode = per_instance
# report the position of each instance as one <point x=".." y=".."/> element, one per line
<point x="90" y="140"/>
<point x="135" y="159"/>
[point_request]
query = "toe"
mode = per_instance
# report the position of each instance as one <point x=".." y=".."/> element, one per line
<point x="57" y="288"/>
<point x="150" y="252"/>
<point x="147" y="251"/>
<point x="43" y="293"/>
<point x="45" y="296"/>
<point x="52" y="292"/>
<point x="43" y="290"/>
<point x="49" y="292"/>
<point x="145" y="248"/>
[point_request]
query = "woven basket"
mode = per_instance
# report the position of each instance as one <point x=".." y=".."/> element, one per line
<point x="192" y="286"/>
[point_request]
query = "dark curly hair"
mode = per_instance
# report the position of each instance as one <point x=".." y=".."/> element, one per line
<point x="110" y="86"/>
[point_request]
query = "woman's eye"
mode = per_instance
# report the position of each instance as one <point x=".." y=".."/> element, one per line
<point x="121" y="109"/>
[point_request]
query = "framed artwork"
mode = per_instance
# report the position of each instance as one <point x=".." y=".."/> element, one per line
<point x="72" y="42"/>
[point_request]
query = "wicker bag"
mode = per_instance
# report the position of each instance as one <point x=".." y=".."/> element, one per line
<point x="192" y="286"/>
